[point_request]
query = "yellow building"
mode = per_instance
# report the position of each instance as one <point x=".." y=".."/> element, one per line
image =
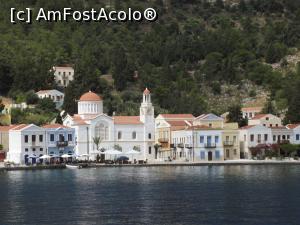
<point x="164" y="125"/>
<point x="230" y="138"/>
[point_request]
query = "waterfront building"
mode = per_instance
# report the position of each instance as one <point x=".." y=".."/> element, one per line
<point x="60" y="139"/>
<point x="250" y="112"/>
<point x="231" y="143"/>
<point x="63" y="74"/>
<point x="123" y="133"/>
<point x="4" y="140"/>
<point x="295" y="136"/>
<point x="56" y="96"/>
<point x="209" y="120"/>
<point x="164" y="125"/>
<point x="26" y="142"/>
<point x="281" y="135"/>
<point x="252" y="136"/>
<point x="267" y="120"/>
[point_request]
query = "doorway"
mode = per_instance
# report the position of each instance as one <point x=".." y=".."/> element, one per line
<point x="210" y="156"/>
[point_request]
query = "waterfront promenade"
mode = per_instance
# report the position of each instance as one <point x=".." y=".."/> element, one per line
<point x="161" y="164"/>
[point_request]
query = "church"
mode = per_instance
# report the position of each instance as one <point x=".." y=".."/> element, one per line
<point x="123" y="133"/>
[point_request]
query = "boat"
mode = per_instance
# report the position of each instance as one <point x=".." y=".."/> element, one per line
<point x="73" y="166"/>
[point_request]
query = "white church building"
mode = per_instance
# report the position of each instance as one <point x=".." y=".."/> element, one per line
<point x="125" y="132"/>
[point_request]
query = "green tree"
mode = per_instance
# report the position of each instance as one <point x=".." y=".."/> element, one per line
<point x="235" y="115"/>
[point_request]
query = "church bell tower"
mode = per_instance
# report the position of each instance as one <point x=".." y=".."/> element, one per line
<point x="147" y="109"/>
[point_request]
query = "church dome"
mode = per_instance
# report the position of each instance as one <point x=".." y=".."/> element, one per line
<point x="90" y="97"/>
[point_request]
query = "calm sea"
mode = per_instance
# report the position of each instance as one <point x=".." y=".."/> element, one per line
<point x="158" y="195"/>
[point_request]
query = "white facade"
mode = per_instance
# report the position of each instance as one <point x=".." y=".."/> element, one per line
<point x="56" y="96"/>
<point x="295" y="135"/>
<point x="267" y="120"/>
<point x="128" y="132"/>
<point x="26" y="141"/>
<point x="63" y="75"/>
<point x="253" y="135"/>
<point x="250" y="112"/>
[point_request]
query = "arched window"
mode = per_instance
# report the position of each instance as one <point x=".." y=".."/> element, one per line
<point x="133" y="135"/>
<point x="101" y="131"/>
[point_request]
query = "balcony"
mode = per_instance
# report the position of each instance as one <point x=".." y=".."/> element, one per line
<point x="180" y="145"/>
<point x="61" y="143"/>
<point x="188" y="145"/>
<point x="163" y="140"/>
<point x="210" y="145"/>
<point x="228" y="143"/>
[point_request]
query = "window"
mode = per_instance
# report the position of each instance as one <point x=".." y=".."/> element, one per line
<point x="259" y="138"/>
<point x="217" y="154"/>
<point x="297" y="137"/>
<point x="33" y="137"/>
<point x="149" y="135"/>
<point x="227" y="138"/>
<point x="234" y="139"/>
<point x="119" y="135"/>
<point x="276" y="125"/>
<point x="101" y="131"/>
<point x="216" y="139"/>
<point x="70" y="137"/>
<point x="202" y="155"/>
<point x="252" y="137"/>
<point x="33" y="149"/>
<point x="133" y="135"/>
<point x="271" y="125"/>
<point x="41" y="138"/>
<point x="274" y="137"/>
<point x="51" y="137"/>
<point x="234" y="152"/>
<point x="264" y="125"/>
<point x="288" y="137"/>
<point x="26" y="139"/>
<point x="227" y="153"/>
<point x="26" y="149"/>
<point x="201" y="139"/>
<point x="149" y="150"/>
<point x="267" y="118"/>
<point x="41" y="149"/>
<point x="210" y="125"/>
<point x="266" y="137"/>
<point x="61" y="137"/>
<point x="283" y="137"/>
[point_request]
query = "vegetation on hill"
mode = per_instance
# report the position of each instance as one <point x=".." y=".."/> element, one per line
<point x="193" y="50"/>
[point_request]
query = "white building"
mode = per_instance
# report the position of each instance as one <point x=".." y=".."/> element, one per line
<point x="252" y="136"/>
<point x="56" y="96"/>
<point x="25" y="143"/>
<point x="63" y="74"/>
<point x="200" y="143"/>
<point x="267" y="120"/>
<point x="127" y="132"/>
<point x="295" y="136"/>
<point x="250" y="112"/>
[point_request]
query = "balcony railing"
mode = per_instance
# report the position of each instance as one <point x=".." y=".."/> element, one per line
<point x="180" y="145"/>
<point x="163" y="140"/>
<point x="228" y="143"/>
<point x="210" y="145"/>
<point x="62" y="143"/>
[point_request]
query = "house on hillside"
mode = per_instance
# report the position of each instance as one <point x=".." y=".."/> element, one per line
<point x="56" y="96"/>
<point x="63" y="74"/>
<point x="267" y="120"/>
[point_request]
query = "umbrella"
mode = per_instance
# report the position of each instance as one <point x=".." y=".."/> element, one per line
<point x="66" y="156"/>
<point x="112" y="152"/>
<point x="45" y="157"/>
<point x="55" y="156"/>
<point x="132" y="152"/>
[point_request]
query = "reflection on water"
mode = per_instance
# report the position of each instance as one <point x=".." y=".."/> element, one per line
<point x="154" y="195"/>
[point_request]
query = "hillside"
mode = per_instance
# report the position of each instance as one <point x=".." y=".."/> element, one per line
<point x="196" y="57"/>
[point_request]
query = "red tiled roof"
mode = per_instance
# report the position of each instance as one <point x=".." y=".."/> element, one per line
<point x="247" y="127"/>
<point x="179" y="116"/>
<point x="280" y="127"/>
<point x="20" y="127"/>
<point x="292" y="126"/>
<point x="90" y="96"/>
<point x="55" y="126"/>
<point x="146" y="91"/>
<point x="7" y="128"/>
<point x="127" y="120"/>
<point x="259" y="116"/>
<point x="78" y="120"/>
<point x="177" y="123"/>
